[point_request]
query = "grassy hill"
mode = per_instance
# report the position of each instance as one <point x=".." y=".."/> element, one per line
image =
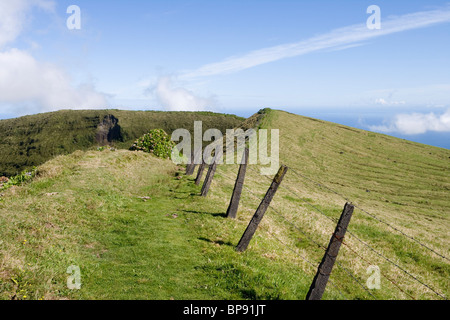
<point x="31" y="140"/>
<point x="404" y="186"/>
<point x="139" y="231"/>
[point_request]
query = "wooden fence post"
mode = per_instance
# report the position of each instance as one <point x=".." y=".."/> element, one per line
<point x="209" y="178"/>
<point x="326" y="266"/>
<point x="194" y="157"/>
<point x="190" y="166"/>
<point x="259" y="214"/>
<point x="201" y="168"/>
<point x="236" y="197"/>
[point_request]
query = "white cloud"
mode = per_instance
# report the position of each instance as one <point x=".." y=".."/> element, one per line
<point x="180" y="99"/>
<point x="14" y="16"/>
<point x="341" y="38"/>
<point x="417" y="123"/>
<point x="26" y="82"/>
<point x="28" y="85"/>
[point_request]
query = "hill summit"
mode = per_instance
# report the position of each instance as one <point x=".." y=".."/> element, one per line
<point x="31" y="140"/>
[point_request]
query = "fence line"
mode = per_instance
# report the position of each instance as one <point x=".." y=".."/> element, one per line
<point x="370" y="263"/>
<point x="302" y="257"/>
<point x="276" y="238"/>
<point x="361" y="241"/>
<point x="352" y="234"/>
<point x="368" y="213"/>
<point x="319" y="245"/>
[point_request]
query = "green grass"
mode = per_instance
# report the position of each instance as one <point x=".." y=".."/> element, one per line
<point x="86" y="209"/>
<point x="405" y="184"/>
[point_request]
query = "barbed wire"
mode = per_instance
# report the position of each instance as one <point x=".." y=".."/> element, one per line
<point x="319" y="245"/>
<point x="370" y="263"/>
<point x="395" y="264"/>
<point x="361" y="241"/>
<point x="389" y="260"/>
<point x="303" y="200"/>
<point x="302" y="257"/>
<point x="368" y="213"/>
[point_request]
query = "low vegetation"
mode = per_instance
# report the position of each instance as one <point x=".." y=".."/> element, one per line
<point x="138" y="229"/>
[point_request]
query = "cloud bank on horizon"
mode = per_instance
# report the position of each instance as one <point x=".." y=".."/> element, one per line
<point x="180" y="99"/>
<point x="416" y="123"/>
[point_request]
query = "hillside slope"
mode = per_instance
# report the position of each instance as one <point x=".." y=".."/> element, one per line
<point x="31" y="140"/>
<point x="375" y="170"/>
<point x="401" y="188"/>
<point x="138" y="229"/>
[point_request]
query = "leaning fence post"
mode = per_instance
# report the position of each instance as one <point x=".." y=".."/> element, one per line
<point x="259" y="214"/>
<point x="236" y="197"/>
<point x="201" y="168"/>
<point x="326" y="266"/>
<point x="190" y="166"/>
<point x="209" y="178"/>
<point x="194" y="160"/>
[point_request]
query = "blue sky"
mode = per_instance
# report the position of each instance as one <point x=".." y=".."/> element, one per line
<point x="315" y="58"/>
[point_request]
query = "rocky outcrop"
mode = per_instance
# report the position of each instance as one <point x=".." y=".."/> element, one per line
<point x="108" y="131"/>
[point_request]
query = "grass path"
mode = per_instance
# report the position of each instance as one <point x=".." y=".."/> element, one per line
<point x="90" y="210"/>
<point x="87" y="209"/>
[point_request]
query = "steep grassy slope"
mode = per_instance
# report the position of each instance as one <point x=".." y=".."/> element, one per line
<point x="86" y="209"/>
<point x="403" y="186"/>
<point x="31" y="140"/>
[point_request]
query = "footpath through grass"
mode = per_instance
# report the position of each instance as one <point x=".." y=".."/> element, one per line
<point x="138" y="229"/>
<point x="135" y="230"/>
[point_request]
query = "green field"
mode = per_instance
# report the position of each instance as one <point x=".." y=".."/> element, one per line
<point x="90" y="209"/>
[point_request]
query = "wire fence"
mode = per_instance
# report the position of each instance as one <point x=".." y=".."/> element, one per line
<point x="370" y="214"/>
<point x="346" y="244"/>
<point x="397" y="265"/>
<point x="310" y="239"/>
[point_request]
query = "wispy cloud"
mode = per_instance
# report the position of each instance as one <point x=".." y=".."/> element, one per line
<point x="385" y="102"/>
<point x="336" y="39"/>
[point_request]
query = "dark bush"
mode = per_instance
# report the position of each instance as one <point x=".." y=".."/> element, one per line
<point x="156" y="141"/>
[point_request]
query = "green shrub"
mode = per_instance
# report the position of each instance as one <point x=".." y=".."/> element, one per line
<point x="19" y="179"/>
<point x="156" y="141"/>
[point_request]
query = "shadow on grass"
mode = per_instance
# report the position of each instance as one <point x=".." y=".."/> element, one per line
<point x="214" y="214"/>
<point x="183" y="194"/>
<point x="219" y="242"/>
